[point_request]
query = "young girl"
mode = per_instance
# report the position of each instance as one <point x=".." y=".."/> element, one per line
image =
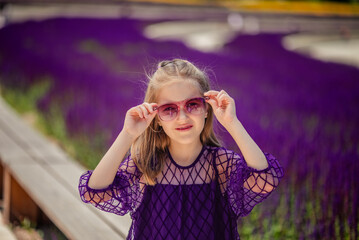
<point x="178" y="182"/>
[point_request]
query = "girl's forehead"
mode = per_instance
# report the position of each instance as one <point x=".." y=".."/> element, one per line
<point x="178" y="91"/>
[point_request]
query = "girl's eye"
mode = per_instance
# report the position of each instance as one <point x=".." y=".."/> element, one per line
<point x="169" y="109"/>
<point x="193" y="105"/>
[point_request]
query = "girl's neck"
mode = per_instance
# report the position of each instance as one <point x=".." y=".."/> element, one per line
<point x="185" y="154"/>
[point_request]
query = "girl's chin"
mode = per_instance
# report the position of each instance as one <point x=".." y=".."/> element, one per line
<point x="186" y="140"/>
<point x="185" y="137"/>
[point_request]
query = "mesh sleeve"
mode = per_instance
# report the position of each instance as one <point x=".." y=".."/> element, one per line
<point x="244" y="186"/>
<point x="120" y="196"/>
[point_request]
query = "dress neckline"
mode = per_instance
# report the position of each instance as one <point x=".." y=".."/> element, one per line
<point x="192" y="164"/>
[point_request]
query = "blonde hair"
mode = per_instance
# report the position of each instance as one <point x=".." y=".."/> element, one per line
<point x="149" y="150"/>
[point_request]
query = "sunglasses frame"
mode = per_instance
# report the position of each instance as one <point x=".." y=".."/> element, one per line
<point x="179" y="104"/>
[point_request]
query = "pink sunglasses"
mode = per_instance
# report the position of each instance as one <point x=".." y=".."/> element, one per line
<point x="169" y="111"/>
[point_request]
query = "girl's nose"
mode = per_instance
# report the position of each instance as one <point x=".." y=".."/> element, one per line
<point x="182" y="114"/>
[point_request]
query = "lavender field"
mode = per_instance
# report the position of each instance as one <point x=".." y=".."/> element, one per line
<point x="303" y="111"/>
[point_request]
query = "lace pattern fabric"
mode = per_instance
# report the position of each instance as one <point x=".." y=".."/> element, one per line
<point x="201" y="201"/>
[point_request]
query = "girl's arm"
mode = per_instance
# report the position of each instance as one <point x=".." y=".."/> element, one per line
<point x="137" y="120"/>
<point x="105" y="171"/>
<point x="224" y="109"/>
<point x="251" y="152"/>
<point x="245" y="187"/>
<point x="254" y="158"/>
<point x="249" y="180"/>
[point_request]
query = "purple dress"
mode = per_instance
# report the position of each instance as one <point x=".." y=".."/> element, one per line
<point x="201" y="201"/>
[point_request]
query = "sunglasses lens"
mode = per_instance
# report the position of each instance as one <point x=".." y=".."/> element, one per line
<point x="168" y="112"/>
<point x="195" y="106"/>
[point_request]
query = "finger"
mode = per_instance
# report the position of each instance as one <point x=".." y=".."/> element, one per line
<point x="218" y="97"/>
<point x="211" y="93"/>
<point x="151" y="111"/>
<point x="221" y="93"/>
<point x="144" y="111"/>
<point x="148" y="107"/>
<point x="213" y="103"/>
<point x="223" y="97"/>
<point x="138" y="111"/>
<point x="222" y="100"/>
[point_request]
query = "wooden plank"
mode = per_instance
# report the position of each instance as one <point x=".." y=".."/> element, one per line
<point x="41" y="150"/>
<point x="122" y="223"/>
<point x="48" y="154"/>
<point x="20" y="146"/>
<point x="69" y="174"/>
<point x="12" y="124"/>
<point x="11" y="152"/>
<point x="66" y="173"/>
<point x="7" y="144"/>
<point x="69" y="213"/>
<point x="22" y="134"/>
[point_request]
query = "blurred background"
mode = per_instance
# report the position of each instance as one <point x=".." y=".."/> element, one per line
<point x="73" y="70"/>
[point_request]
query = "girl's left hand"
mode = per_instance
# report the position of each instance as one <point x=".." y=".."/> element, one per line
<point x="223" y="106"/>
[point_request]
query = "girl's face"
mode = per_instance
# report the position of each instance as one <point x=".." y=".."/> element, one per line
<point x="185" y="128"/>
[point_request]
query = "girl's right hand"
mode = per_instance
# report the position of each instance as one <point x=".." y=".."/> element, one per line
<point x="138" y="118"/>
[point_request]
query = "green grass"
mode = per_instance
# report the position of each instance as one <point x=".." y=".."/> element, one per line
<point x="24" y="101"/>
<point x="276" y="226"/>
<point x="88" y="150"/>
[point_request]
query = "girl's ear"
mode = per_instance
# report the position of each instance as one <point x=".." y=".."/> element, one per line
<point x="205" y="116"/>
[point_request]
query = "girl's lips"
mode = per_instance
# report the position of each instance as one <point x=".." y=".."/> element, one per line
<point x="184" y="128"/>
